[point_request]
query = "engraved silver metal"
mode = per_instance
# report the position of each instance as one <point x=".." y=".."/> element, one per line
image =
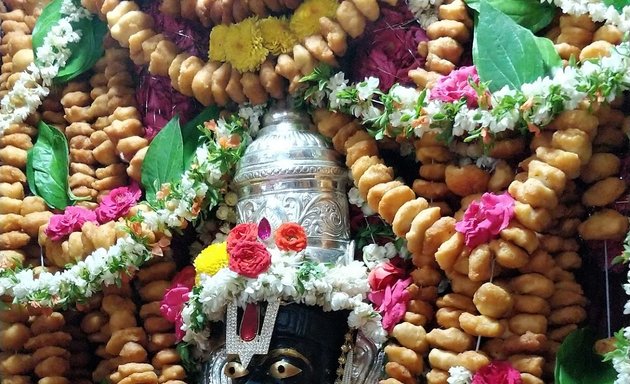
<point x="290" y="173"/>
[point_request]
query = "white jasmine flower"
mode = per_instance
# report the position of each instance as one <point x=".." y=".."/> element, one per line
<point x="201" y="154"/>
<point x="459" y="375"/>
<point x="367" y="88"/>
<point x="406" y="96"/>
<point x="356" y="199"/>
<point x="464" y="121"/>
<point x="335" y="85"/>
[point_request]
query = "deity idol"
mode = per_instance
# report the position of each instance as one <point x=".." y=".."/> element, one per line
<point x="290" y="174"/>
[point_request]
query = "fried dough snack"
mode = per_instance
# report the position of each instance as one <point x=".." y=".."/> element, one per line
<point x="396" y="203"/>
<point x="153" y="279"/>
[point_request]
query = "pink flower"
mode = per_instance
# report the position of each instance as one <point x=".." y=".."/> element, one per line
<point x="72" y="219"/>
<point x="456" y="86"/>
<point x="497" y="372"/>
<point x="176" y="296"/>
<point x="389" y="48"/>
<point x="484" y="219"/>
<point x="385" y="275"/>
<point x="391" y="302"/>
<point x="118" y="202"/>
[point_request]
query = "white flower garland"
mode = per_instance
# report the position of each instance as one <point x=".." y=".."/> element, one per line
<point x="621" y="357"/>
<point x="597" y="10"/>
<point x="106" y="267"/>
<point x="291" y="278"/>
<point x="32" y="84"/>
<point x="534" y="103"/>
<point x="81" y="281"/>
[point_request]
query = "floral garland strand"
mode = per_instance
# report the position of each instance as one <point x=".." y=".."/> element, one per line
<point x="249" y="268"/>
<point x="200" y="185"/>
<point x="32" y="85"/>
<point x="461" y="107"/>
<point x="620" y="357"/>
<point x="597" y="10"/>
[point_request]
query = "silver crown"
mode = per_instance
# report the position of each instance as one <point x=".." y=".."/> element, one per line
<point x="290" y="174"/>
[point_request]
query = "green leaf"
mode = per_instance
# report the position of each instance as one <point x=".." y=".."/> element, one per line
<point x="550" y="56"/>
<point x="504" y="52"/>
<point x="618" y="4"/>
<point x="164" y="161"/>
<point x="531" y="14"/>
<point x="85" y="52"/>
<point x="191" y="133"/>
<point x="30" y="177"/>
<point x="47" y="166"/>
<point x="577" y="363"/>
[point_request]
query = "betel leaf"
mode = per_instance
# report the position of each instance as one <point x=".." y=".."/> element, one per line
<point x="90" y="47"/>
<point x="191" y="132"/>
<point x="577" y="363"/>
<point x="618" y="4"/>
<point x="550" y="56"/>
<point x="85" y="52"/>
<point x="30" y="180"/>
<point x="47" y="166"/>
<point x="504" y="52"/>
<point x="164" y="161"/>
<point x="531" y="14"/>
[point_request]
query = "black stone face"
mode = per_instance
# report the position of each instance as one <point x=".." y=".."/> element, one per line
<point x="305" y="348"/>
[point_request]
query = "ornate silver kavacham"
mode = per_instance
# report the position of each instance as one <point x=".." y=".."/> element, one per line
<point x="291" y="174"/>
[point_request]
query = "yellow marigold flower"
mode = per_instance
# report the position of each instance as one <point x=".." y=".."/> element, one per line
<point x="305" y="19"/>
<point x="244" y="46"/>
<point x="277" y="37"/>
<point x="211" y="260"/>
<point x="218" y="36"/>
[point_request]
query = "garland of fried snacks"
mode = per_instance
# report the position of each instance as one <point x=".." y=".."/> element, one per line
<point x="218" y="83"/>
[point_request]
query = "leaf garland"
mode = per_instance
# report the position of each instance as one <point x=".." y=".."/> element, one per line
<point x="506" y="53"/>
<point x="577" y="363"/>
<point x="47" y="167"/>
<point x="164" y="161"/>
<point x="531" y="14"/>
<point x="85" y="52"/>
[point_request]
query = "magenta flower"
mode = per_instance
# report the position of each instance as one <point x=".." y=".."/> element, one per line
<point x="158" y="102"/>
<point x="385" y="275"/>
<point x="176" y="296"/>
<point x="391" y="302"/>
<point x="72" y="219"/>
<point x="485" y="218"/>
<point x="389" y="48"/>
<point x="118" y="202"/>
<point x="456" y="86"/>
<point x="497" y="372"/>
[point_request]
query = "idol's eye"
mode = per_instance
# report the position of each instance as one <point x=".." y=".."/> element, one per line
<point x="234" y="370"/>
<point x="283" y="370"/>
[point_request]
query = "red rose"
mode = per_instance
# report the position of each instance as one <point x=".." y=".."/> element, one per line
<point x="385" y="275"/>
<point x="249" y="258"/>
<point x="291" y="237"/>
<point x="242" y="232"/>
